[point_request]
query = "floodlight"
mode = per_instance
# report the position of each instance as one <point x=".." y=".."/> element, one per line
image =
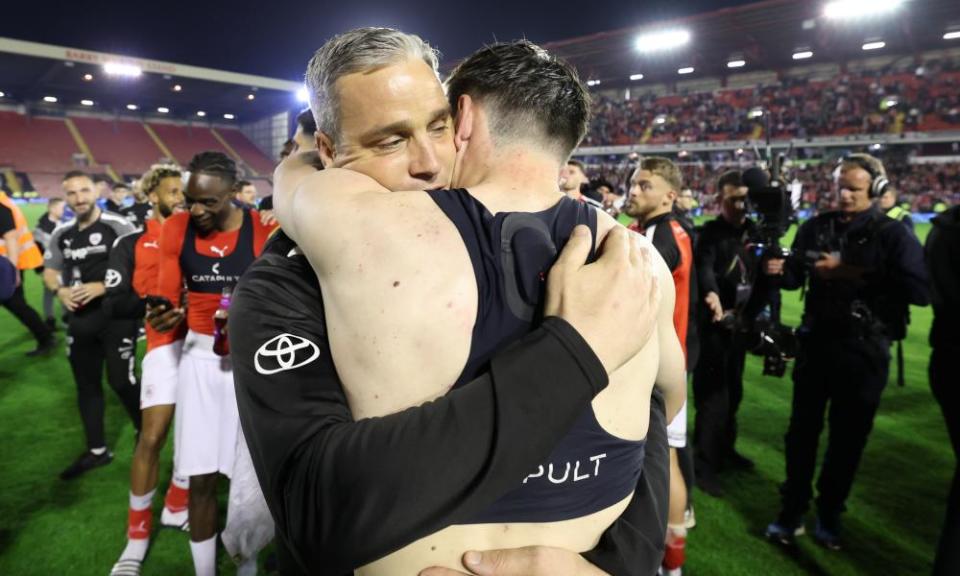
<point x="687" y="70"/>
<point x="50" y="99"/>
<point x="250" y="96"/>
<point x="636" y="76"/>
<point x="2" y="94"/>
<point x="736" y="63"/>
<point x="118" y="69"/>
<point x="177" y="87"/>
<point x="593" y="82"/>
<point x="201" y="113"/>
<point x="755" y="113"/>
<point x="228" y="116"/>
<point x="803" y="55"/>
<point x="132" y="106"/>
<point x="874" y="45"/>
<point x="857" y="9"/>
<point x="163" y="110"/>
<point x="302" y="95"/>
<point x="86" y="102"/>
<point x="663" y="40"/>
<point x="952" y="35"/>
<point x="88" y="77"/>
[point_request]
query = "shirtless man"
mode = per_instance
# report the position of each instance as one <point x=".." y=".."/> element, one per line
<point x="510" y="151"/>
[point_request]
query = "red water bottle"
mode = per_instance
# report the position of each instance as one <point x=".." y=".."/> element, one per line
<point x="221" y="344"/>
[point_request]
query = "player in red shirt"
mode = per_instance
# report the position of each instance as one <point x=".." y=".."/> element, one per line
<point x="653" y="189"/>
<point x="207" y="248"/>
<point x="132" y="275"/>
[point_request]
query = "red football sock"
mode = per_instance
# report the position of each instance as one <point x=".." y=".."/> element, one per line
<point x="139" y="524"/>
<point x="176" y="498"/>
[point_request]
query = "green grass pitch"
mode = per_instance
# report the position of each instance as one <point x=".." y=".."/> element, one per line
<point x="895" y="510"/>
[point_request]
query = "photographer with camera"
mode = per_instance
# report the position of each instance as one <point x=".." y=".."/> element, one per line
<point x="726" y="272"/>
<point x="862" y="270"/>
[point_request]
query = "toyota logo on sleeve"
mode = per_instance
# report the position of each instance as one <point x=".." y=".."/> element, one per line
<point x="284" y="352"/>
<point x="113" y="278"/>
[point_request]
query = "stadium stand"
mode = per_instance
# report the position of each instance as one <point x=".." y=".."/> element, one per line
<point x="125" y="146"/>
<point x="894" y="99"/>
<point x="39" y="150"/>
<point x="35" y="144"/>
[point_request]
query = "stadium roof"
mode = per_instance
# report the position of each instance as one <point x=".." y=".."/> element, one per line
<point x="32" y="72"/>
<point x="765" y="35"/>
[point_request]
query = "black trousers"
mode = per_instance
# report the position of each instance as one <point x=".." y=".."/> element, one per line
<point x="93" y="340"/>
<point x="842" y="379"/>
<point x="717" y="392"/>
<point x="945" y="384"/>
<point x="17" y="305"/>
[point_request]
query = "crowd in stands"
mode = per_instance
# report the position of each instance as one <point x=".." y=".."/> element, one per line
<point x="888" y="100"/>
<point x="919" y="185"/>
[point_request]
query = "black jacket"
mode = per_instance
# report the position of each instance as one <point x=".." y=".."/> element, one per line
<point x="943" y="264"/>
<point x="894" y="276"/>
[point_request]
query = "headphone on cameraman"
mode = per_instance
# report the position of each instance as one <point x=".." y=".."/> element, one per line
<point x="878" y="182"/>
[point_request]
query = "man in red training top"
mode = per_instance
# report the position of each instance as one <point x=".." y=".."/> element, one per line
<point x="132" y="275"/>
<point x="653" y="189"/>
<point x="208" y="249"/>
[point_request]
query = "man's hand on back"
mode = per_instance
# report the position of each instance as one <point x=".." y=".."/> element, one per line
<point x="588" y="296"/>
<point x="529" y="561"/>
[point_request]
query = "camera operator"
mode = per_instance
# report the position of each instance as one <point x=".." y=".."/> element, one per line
<point x="862" y="270"/>
<point x="943" y="263"/>
<point x="726" y="272"/>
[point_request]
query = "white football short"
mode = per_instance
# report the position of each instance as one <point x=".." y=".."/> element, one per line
<point x="677" y="430"/>
<point x="207" y="422"/>
<point x="158" y="382"/>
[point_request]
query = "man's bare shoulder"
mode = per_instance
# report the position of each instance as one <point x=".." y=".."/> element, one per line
<point x="605" y="223"/>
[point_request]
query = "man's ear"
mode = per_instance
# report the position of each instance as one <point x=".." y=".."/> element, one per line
<point x="326" y="148"/>
<point x="465" y="115"/>
<point x="672" y="196"/>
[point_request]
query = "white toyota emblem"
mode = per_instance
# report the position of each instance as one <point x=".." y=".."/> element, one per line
<point x="284" y="352"/>
<point x="112" y="279"/>
<point x="95" y="238"/>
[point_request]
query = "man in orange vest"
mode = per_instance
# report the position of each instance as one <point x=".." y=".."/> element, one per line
<point x="17" y="245"/>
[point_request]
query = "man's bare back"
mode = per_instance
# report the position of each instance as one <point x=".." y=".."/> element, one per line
<point x="401" y="301"/>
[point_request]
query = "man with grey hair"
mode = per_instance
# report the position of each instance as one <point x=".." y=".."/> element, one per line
<point x="392" y="123"/>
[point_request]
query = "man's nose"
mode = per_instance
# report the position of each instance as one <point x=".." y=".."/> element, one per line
<point x="424" y="163"/>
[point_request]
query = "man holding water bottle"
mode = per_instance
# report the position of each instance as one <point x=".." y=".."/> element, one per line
<point x="207" y="248"/>
<point x="75" y="268"/>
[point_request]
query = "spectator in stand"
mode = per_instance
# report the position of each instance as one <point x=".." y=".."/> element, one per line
<point x="41" y="235"/>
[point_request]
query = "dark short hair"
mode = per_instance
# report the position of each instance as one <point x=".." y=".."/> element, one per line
<point x="526" y="93"/>
<point x="287" y="148"/>
<point x="307" y="123"/>
<point x="730" y="178"/>
<point x="98" y="178"/>
<point x="664" y="168"/>
<point x="55" y="200"/>
<point x="243" y="183"/>
<point x="120" y="185"/>
<point x="215" y="164"/>
<point x="77" y="174"/>
<point x="578" y="164"/>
